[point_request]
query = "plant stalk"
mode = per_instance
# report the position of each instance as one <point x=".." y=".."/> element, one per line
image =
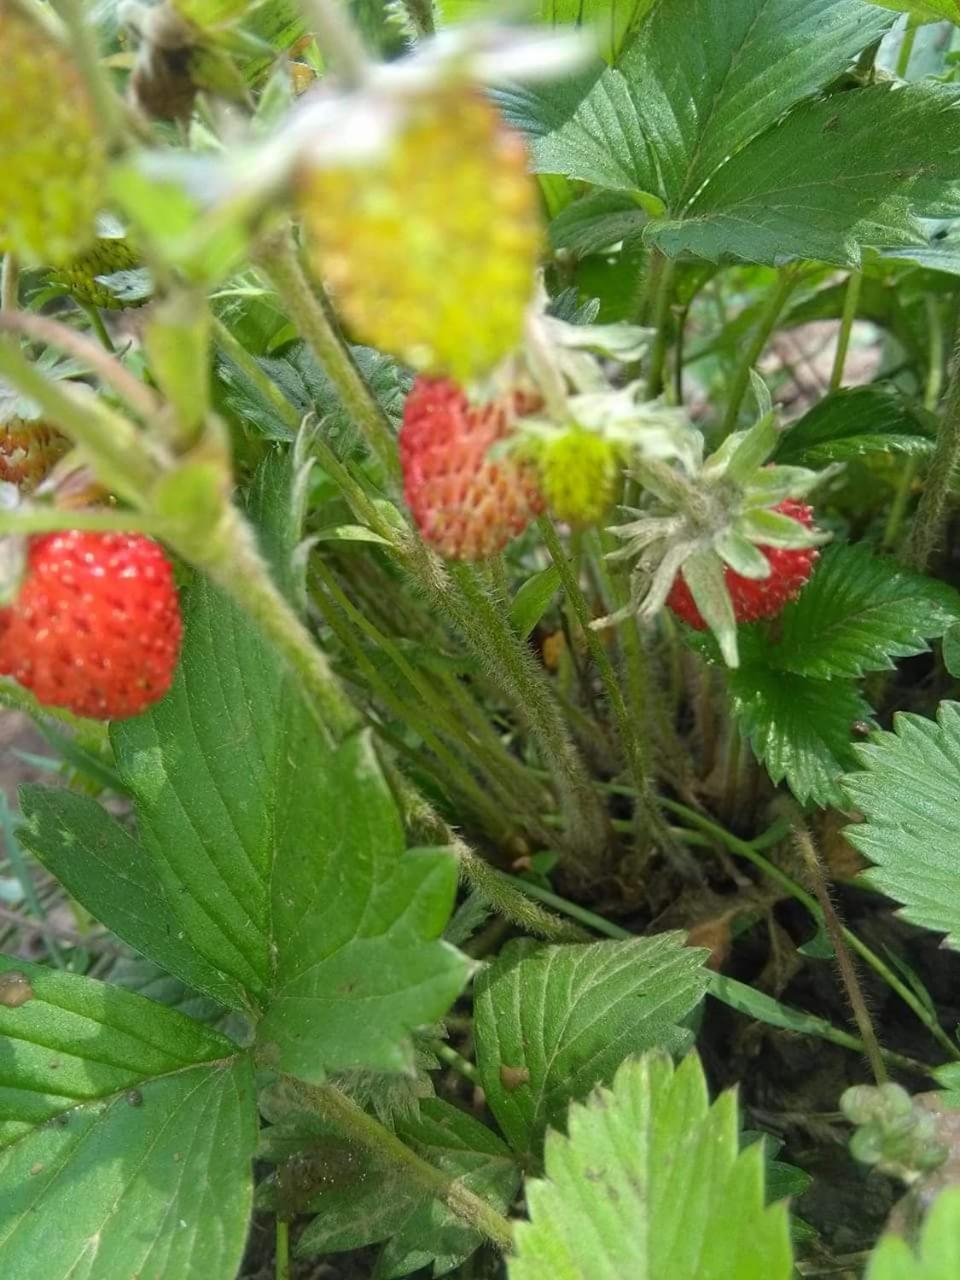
<point x="663" y="270"/>
<point x="337" y="37"/>
<point x="83" y="47"/>
<point x="282" y="1250"/>
<point x="386" y="1149"/>
<point x="237" y="354"/>
<point x="9" y="283"/>
<point x="851" y="300"/>
<point x="279" y="260"/>
<point x="767" y="322"/>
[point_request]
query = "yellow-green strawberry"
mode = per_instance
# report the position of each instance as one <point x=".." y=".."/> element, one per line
<point x="431" y="249"/>
<point x="578" y="474"/>
<point x="82" y="275"/>
<point x="52" y="159"/>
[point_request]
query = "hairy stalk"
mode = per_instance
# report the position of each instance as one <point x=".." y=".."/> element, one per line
<point x="126" y="463"/>
<point x="231" y="560"/>
<point x="279" y="260"/>
<point x="237" y="354"/>
<point x="96" y="323"/>
<point x="491" y="809"/>
<point x="776" y="300"/>
<point x="330" y="22"/>
<point x="744" y="849"/>
<point x="630" y="740"/>
<point x="386" y="1150"/>
<point x="851" y="300"/>
<point x="421" y="15"/>
<point x="138" y="396"/>
<point x="509" y="658"/>
<point x="9" y="283"/>
<point x="50" y="519"/>
<point x="929" y="523"/>
<point x="845" y="965"/>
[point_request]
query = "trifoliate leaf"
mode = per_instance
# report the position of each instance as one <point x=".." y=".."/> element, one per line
<point x="552" y="1021"/>
<point x="650" y="1184"/>
<point x="799" y="728"/>
<point x="907" y="792"/>
<point x="858" y="613"/>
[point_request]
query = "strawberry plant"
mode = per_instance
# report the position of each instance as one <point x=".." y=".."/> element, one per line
<point x="477" y="522"/>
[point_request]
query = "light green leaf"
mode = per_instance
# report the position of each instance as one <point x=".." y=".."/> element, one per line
<point x="825" y="180"/>
<point x="553" y="1021"/>
<point x="349" y="533"/>
<point x="115" y="1111"/>
<point x="698" y="81"/>
<point x="937" y="1256"/>
<point x="908" y="795"/>
<point x="100" y="864"/>
<point x="533" y="599"/>
<point x="853" y="423"/>
<point x="858" y="613"/>
<point x="924" y="10"/>
<point x="799" y="728"/>
<point x="650" y="1184"/>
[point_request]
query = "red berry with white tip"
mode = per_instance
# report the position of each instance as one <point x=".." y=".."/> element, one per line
<point x="757" y="598"/>
<point x="467" y="504"/>
<point x="95" y="626"/>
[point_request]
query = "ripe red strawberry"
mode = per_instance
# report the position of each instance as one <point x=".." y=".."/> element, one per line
<point x="467" y="505"/>
<point x="756" y="598"/>
<point x="96" y="624"/>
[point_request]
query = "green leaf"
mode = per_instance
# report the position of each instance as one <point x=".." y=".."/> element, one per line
<point x="951" y="649"/>
<point x="115" y="1111"/>
<point x="597" y="221"/>
<point x="553" y="1021"/>
<point x="825" y="180"/>
<point x="650" y="1184"/>
<point x="533" y="599"/>
<point x="858" y="613"/>
<point x="103" y="867"/>
<point x="612" y="20"/>
<point x="924" y="11"/>
<point x="853" y="423"/>
<point x="358" y="1203"/>
<point x="937" y="1256"/>
<point x="907" y="794"/>
<point x="356" y="925"/>
<point x="799" y="728"/>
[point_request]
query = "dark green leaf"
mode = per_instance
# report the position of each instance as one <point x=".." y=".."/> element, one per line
<point x="799" y="728"/>
<point x="858" y="613"/>
<point x="856" y="422"/>
<point x="553" y="1021"/>
<point x="596" y="222"/>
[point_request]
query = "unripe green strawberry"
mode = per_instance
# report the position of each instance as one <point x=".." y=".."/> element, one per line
<point x="52" y="160"/>
<point x="431" y="250"/>
<point x="578" y="472"/>
<point x="107" y="255"/>
<point x="28" y="452"/>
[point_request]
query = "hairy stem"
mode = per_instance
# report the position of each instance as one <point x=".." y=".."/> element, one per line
<point x="509" y="659"/>
<point x="662" y="272"/>
<point x="776" y="300"/>
<point x="851" y="300"/>
<point x="238" y="354"/>
<point x="845" y="965"/>
<point x="386" y="1150"/>
<point x="929" y="523"/>
<point x="421" y="15"/>
<point x="330" y="22"/>
<point x="279" y="260"/>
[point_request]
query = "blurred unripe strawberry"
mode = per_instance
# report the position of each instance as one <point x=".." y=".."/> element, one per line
<point x="467" y="503"/>
<point x="52" y="160"/>
<point x="28" y="452"/>
<point x="578" y="472"/>
<point x="83" y="275"/>
<point x="431" y="250"/>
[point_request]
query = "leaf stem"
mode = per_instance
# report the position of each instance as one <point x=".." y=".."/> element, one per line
<point x="86" y="56"/>
<point x="848" y="972"/>
<point x="9" y="283"/>
<point x="337" y="37"/>
<point x="929" y="523"/>
<point x="238" y="355"/>
<point x="776" y="300"/>
<point x="52" y="519"/>
<point x="662" y="271"/>
<point x="851" y="300"/>
<point x="282" y="1250"/>
<point x="386" y="1149"/>
<point x="280" y="262"/>
<point x="421" y="15"/>
<point x="906" y="47"/>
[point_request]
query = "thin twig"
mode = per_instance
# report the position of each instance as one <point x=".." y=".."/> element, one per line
<point x="929" y="523"/>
